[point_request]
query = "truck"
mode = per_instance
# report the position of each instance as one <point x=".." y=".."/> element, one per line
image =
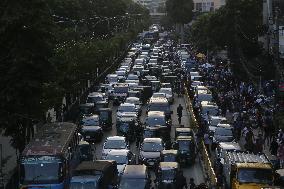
<point x="244" y="170"/>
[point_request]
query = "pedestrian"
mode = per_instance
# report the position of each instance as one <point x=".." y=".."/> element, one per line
<point x="191" y="183"/>
<point x="259" y="142"/>
<point x="280" y="154"/>
<point x="179" y="113"/>
<point x="207" y="142"/>
<point x="181" y="181"/>
<point x="273" y="147"/>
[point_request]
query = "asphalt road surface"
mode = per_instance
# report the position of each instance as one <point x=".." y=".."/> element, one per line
<point x="193" y="171"/>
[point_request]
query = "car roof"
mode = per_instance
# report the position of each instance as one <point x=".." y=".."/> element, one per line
<point x="127" y="104"/>
<point x="158" y="99"/>
<point x="229" y="145"/>
<point x="115" y="138"/>
<point x="166" y="89"/>
<point x="90" y="117"/>
<point x="184" y="138"/>
<point x="183" y="129"/>
<point x="135" y="171"/>
<point x="119" y="152"/>
<point x="169" y="151"/>
<point x="168" y="165"/>
<point x="156" y="113"/>
<point x="152" y="140"/>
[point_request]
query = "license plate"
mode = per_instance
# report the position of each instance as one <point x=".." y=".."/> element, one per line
<point x="88" y="137"/>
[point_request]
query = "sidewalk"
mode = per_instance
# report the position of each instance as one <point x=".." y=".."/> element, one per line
<point x="9" y="159"/>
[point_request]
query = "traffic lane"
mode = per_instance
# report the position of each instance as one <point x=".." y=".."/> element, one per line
<point x="195" y="170"/>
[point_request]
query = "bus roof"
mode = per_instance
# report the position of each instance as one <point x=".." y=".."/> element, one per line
<point x="51" y="139"/>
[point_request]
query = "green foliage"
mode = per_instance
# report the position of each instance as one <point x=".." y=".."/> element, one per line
<point x="180" y="11"/>
<point x="50" y="48"/>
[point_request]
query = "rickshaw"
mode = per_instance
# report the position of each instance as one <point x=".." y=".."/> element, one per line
<point x="170" y="156"/>
<point x="105" y="115"/>
<point x="183" y="131"/>
<point x="167" y="175"/>
<point x="186" y="148"/>
<point x="87" y="151"/>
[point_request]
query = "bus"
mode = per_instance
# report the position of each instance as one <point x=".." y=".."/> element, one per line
<point x="48" y="160"/>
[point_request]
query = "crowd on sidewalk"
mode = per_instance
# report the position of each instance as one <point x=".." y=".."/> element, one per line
<point x="248" y="108"/>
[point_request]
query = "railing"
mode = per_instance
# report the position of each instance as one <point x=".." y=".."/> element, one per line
<point x="206" y="163"/>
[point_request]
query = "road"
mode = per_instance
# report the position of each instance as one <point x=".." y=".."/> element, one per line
<point x="193" y="171"/>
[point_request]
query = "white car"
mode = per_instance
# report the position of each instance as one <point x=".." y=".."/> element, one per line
<point x="159" y="95"/>
<point x="126" y="108"/>
<point x="114" y="143"/>
<point x="136" y="102"/>
<point x="169" y="94"/>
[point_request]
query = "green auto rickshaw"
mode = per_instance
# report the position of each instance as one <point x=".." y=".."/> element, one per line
<point x="105" y="115"/>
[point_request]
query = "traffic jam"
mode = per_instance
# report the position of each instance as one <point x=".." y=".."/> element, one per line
<point x="135" y="131"/>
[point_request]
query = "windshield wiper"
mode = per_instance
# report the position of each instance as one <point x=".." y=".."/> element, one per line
<point x="36" y="177"/>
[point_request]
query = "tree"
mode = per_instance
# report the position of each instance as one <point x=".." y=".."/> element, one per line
<point x="180" y="11"/>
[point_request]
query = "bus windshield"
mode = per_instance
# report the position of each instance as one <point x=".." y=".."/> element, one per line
<point x="43" y="169"/>
<point x="263" y="176"/>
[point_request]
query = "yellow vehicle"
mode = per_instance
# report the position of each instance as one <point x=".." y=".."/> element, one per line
<point x="244" y="170"/>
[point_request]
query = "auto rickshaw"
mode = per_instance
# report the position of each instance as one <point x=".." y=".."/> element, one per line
<point x="186" y="148"/>
<point x="167" y="175"/>
<point x="183" y="131"/>
<point x="87" y="109"/>
<point x="87" y="151"/>
<point x="126" y="127"/>
<point x="170" y="156"/>
<point x="105" y="115"/>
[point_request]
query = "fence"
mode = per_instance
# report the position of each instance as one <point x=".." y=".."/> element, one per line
<point x="208" y="170"/>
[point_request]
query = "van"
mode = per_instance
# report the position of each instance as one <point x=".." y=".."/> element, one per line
<point x="135" y="176"/>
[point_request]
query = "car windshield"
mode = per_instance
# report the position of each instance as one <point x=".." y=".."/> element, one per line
<point x="223" y="132"/>
<point x="126" y="109"/>
<point x="168" y="92"/>
<point x="126" y="183"/>
<point x="120" y="159"/>
<point x="169" y="158"/>
<point x="85" y="149"/>
<point x="152" y="121"/>
<point x="90" y="122"/>
<point x="159" y="107"/>
<point x="120" y="89"/>
<point x="158" y="95"/>
<point x="115" y="144"/>
<point x="168" y="174"/>
<point x="43" y="169"/>
<point x="183" y="145"/>
<point x="152" y="147"/>
<point x="263" y="176"/>
<point x="132" y="101"/>
<point x="84" y="185"/>
<point x="95" y="99"/>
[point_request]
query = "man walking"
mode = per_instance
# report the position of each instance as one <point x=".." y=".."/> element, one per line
<point x="179" y="113"/>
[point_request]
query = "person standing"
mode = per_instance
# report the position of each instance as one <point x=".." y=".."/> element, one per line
<point x="181" y="181"/>
<point x="179" y="113"/>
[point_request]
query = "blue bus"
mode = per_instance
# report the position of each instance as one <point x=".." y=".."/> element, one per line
<point x="48" y="160"/>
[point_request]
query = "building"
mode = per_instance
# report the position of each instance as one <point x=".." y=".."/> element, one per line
<point x="207" y="5"/>
<point x="273" y="17"/>
<point x="157" y="8"/>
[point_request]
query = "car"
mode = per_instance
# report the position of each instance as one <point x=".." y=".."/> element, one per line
<point x="126" y="108"/>
<point x="169" y="94"/>
<point x="135" y="176"/>
<point x="150" y="151"/>
<point x="99" y="174"/>
<point x="159" y="95"/>
<point x="158" y="120"/>
<point x="186" y="149"/>
<point x="160" y="104"/>
<point x="86" y="150"/>
<point x="214" y="121"/>
<point x="122" y="158"/>
<point x="126" y="126"/>
<point x="114" y="143"/>
<point x="96" y="97"/>
<point x="167" y="174"/>
<point x="223" y="134"/>
<point x="136" y="102"/>
<point x="91" y="129"/>
<point x="170" y="155"/>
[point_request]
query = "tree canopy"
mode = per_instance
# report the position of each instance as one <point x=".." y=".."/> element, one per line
<point x="50" y="48"/>
<point x="180" y="11"/>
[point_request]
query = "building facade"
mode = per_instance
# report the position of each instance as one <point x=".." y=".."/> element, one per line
<point x="207" y="5"/>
